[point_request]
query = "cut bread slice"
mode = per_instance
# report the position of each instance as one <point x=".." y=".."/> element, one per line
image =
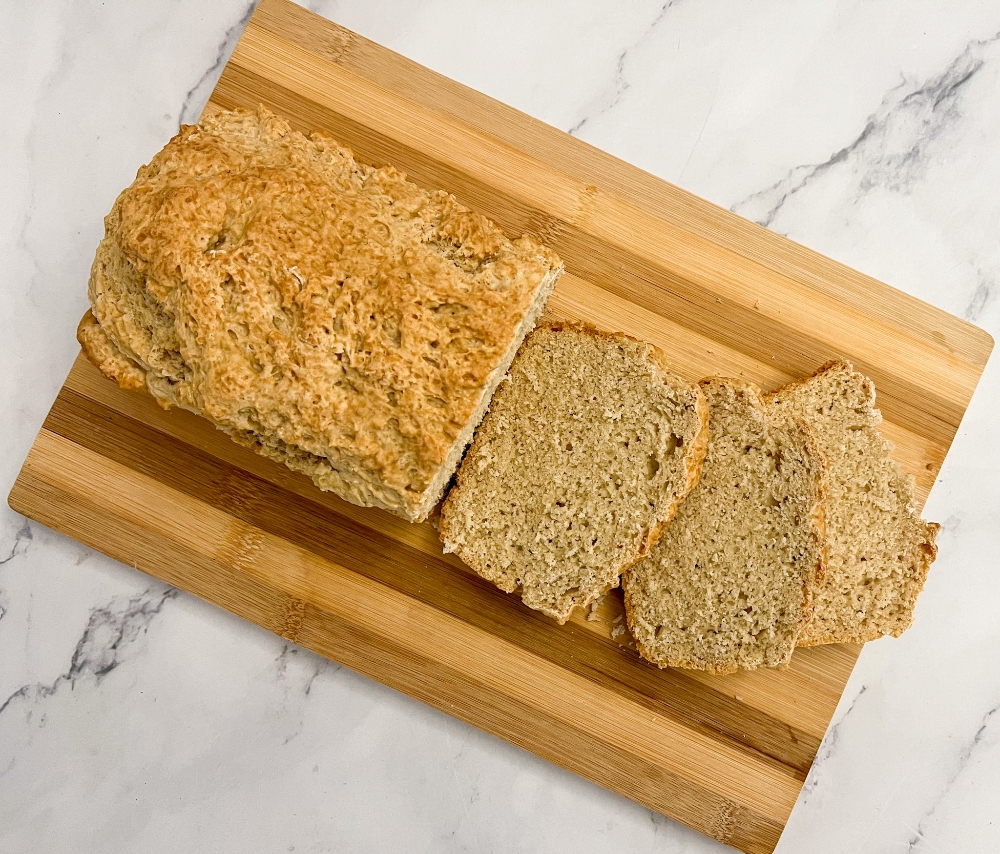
<point x="730" y="584"/>
<point x="582" y="459"/>
<point x="879" y="548"/>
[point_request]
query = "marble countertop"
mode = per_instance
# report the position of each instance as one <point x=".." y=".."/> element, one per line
<point x="134" y="718"/>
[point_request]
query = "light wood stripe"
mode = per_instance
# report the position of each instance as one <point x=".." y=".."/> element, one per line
<point x="491" y="170"/>
<point x="451" y="691"/>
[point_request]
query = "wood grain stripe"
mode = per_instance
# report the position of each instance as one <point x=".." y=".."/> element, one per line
<point x="422" y="630"/>
<point x="371" y="552"/>
<point x="444" y="688"/>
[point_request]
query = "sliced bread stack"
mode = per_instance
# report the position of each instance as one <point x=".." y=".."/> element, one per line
<point x="586" y="452"/>
<point x="730" y="584"/>
<point x="879" y="549"/>
<point x="714" y="593"/>
<point x="792" y="525"/>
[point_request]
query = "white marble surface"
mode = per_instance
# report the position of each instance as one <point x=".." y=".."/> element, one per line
<point x="137" y="719"/>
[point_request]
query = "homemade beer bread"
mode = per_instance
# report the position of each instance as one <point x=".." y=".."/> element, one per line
<point x="582" y="459"/>
<point x="879" y="548"/>
<point x="730" y="583"/>
<point x="327" y="314"/>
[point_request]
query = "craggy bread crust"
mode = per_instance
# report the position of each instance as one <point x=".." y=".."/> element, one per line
<point x="327" y="314"/>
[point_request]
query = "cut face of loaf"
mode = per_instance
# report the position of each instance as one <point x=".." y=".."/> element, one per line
<point x="730" y="583"/>
<point x="879" y="548"/>
<point x="326" y="314"/>
<point x="584" y="456"/>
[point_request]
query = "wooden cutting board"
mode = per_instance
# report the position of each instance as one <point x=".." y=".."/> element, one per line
<point x="168" y="494"/>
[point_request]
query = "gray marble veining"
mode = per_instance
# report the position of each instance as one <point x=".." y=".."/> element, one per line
<point x="197" y="96"/>
<point x="890" y="149"/>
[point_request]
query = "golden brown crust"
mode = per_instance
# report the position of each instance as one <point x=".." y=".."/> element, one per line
<point x="103" y="352"/>
<point x="327" y="313"/>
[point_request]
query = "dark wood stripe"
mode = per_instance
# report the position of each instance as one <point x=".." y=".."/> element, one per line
<point x="370" y="552"/>
<point x="457" y="693"/>
<point x="818" y="673"/>
<point x="655" y="288"/>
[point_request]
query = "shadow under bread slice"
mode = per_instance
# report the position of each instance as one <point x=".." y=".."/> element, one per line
<point x="730" y="583"/>
<point x="586" y="451"/>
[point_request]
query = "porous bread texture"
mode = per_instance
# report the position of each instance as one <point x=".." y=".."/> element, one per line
<point x="730" y="583"/>
<point x="327" y="314"/>
<point x="582" y="459"/>
<point x="880" y="550"/>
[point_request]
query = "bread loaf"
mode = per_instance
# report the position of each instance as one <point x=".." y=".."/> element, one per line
<point x="879" y="548"/>
<point x="584" y="456"/>
<point x="329" y="315"/>
<point x="730" y="583"/>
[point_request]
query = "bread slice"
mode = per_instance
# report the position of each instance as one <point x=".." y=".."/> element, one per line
<point x="730" y="584"/>
<point x="327" y="314"/>
<point x="879" y="548"/>
<point x="583" y="458"/>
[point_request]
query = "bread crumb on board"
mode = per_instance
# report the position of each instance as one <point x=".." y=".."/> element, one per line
<point x="592" y="615"/>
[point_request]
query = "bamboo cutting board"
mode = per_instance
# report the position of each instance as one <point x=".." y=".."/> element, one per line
<point x="168" y="494"/>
